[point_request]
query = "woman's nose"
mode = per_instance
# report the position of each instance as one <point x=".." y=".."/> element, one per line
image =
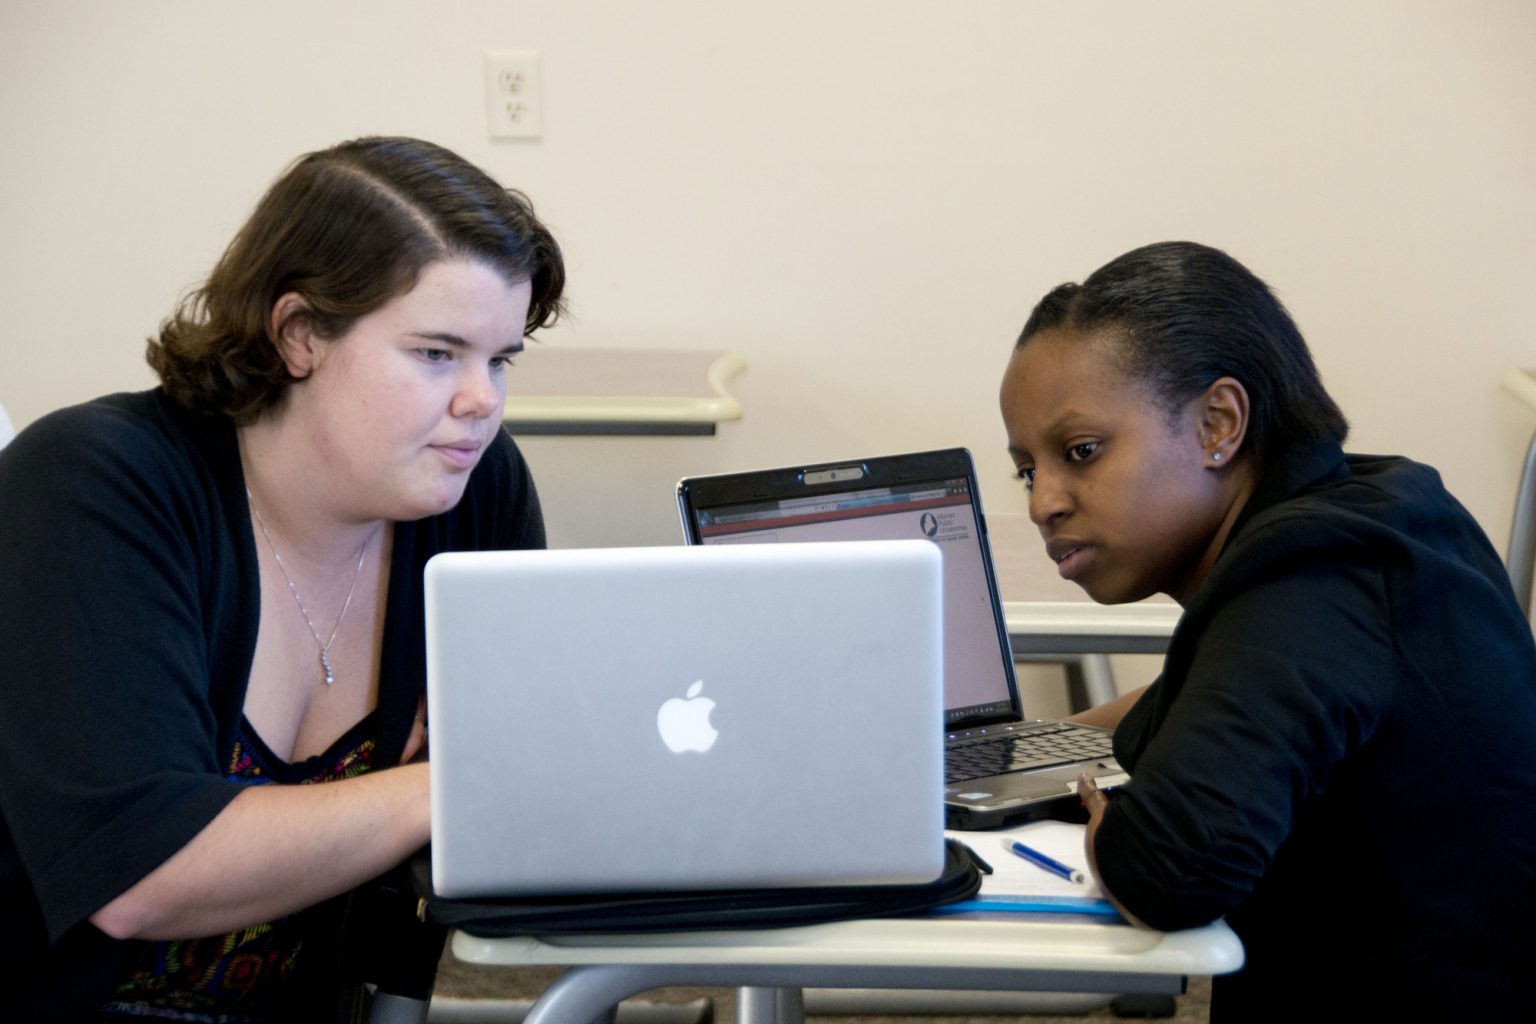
<point x="1048" y="498"/>
<point x="479" y="396"/>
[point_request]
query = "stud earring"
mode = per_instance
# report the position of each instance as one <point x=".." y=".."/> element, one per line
<point x="1215" y="456"/>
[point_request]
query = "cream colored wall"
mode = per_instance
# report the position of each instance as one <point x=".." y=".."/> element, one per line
<point x="864" y="198"/>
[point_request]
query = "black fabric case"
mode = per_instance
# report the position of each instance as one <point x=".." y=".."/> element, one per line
<point x="689" y="911"/>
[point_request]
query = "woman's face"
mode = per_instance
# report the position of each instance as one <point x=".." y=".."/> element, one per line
<point x="1125" y="495"/>
<point x="400" y="408"/>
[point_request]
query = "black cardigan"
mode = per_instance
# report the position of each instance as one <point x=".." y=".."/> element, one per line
<point x="129" y="599"/>
<point x="1340" y="755"/>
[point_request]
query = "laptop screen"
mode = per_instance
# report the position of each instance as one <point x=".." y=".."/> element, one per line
<point x="978" y="671"/>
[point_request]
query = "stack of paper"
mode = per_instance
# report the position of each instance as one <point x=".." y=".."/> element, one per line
<point x="1017" y="885"/>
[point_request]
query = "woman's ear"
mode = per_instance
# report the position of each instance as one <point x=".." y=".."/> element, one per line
<point x="293" y="335"/>
<point x="1223" y="420"/>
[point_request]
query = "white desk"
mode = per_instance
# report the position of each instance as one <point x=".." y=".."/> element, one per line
<point x="561" y="390"/>
<point x="1005" y="952"/>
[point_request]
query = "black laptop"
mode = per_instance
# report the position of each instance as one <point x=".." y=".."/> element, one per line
<point x="1000" y="768"/>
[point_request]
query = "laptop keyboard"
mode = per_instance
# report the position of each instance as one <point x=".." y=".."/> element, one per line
<point x="1041" y="747"/>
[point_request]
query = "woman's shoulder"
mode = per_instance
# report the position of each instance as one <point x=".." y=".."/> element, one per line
<point x="1382" y="506"/>
<point x="80" y="422"/>
<point x="139" y="440"/>
<point x="1378" y="550"/>
<point x="135" y="423"/>
<point x="1391" y="488"/>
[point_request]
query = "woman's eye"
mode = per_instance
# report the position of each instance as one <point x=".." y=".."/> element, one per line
<point x="433" y="355"/>
<point x="1082" y="452"/>
<point x="1026" y="476"/>
<point x="501" y="362"/>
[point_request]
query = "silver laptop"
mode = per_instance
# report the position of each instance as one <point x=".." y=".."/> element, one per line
<point x="668" y="719"/>
<point x="1001" y="767"/>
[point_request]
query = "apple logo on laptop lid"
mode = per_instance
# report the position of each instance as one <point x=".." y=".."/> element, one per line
<point x="684" y="722"/>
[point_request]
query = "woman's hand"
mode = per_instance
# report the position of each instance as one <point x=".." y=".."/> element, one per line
<point x="1095" y="800"/>
<point x="416" y="742"/>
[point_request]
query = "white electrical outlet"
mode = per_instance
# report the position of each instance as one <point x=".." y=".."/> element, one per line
<point x="514" y="94"/>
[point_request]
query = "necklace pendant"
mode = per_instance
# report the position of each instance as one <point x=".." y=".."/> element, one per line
<point x="324" y="645"/>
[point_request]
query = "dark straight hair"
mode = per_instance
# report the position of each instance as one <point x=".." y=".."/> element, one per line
<point x="348" y="228"/>
<point x="1184" y="315"/>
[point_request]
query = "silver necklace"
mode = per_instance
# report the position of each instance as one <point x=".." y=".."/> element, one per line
<point x="325" y="645"/>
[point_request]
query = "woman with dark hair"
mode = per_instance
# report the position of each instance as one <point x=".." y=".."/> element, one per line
<point x="211" y="647"/>
<point x="1337" y="756"/>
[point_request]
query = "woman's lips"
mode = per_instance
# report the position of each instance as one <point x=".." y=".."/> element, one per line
<point x="1069" y="555"/>
<point x="462" y="455"/>
<point x="1070" y="564"/>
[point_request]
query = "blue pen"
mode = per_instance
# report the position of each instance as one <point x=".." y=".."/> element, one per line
<point x="1043" y="862"/>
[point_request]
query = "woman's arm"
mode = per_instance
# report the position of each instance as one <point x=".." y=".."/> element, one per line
<point x="1108" y="714"/>
<point x="275" y="850"/>
<point x="1257" y="728"/>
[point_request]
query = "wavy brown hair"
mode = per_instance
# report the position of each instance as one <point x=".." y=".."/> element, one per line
<point x="348" y="228"/>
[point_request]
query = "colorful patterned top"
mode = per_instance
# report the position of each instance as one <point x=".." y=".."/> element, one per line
<point x="237" y="978"/>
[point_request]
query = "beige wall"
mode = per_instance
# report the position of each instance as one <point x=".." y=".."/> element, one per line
<point x="864" y="198"/>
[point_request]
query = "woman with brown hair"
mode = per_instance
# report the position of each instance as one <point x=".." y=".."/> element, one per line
<point x="211" y="650"/>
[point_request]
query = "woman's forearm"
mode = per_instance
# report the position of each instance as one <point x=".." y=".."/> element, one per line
<point x="275" y="850"/>
<point x="1108" y="714"/>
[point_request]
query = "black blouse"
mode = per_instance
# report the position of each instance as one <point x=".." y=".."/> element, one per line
<point x="1340" y="755"/>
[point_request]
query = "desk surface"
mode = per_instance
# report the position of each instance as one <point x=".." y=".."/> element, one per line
<point x="620" y="391"/>
<point x="1017" y="953"/>
<point x="952" y="941"/>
